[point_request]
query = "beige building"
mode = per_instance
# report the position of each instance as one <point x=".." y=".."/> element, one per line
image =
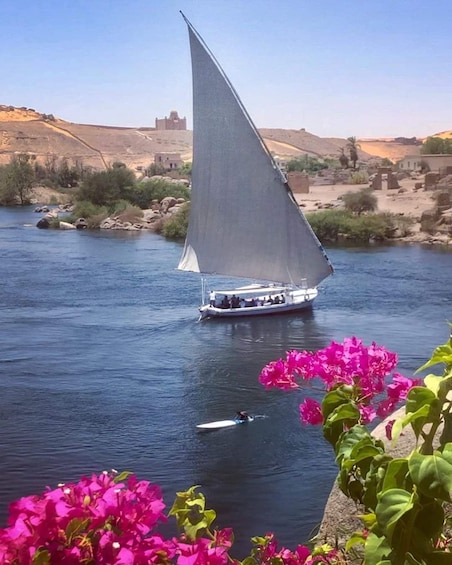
<point x="416" y="162"/>
<point x="171" y="123"/>
<point x="170" y="161"/>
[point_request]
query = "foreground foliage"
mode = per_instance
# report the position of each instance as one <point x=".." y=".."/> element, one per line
<point x="402" y="500"/>
<point x="113" y="518"/>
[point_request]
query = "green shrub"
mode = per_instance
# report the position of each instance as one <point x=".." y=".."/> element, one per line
<point x="359" y="177"/>
<point x="362" y="201"/>
<point x="143" y="193"/>
<point x="176" y="226"/>
<point x="328" y="224"/>
<point x="86" y="209"/>
<point x="332" y="225"/>
<point x="310" y="165"/>
<point x="402" y="224"/>
<point x="366" y="228"/>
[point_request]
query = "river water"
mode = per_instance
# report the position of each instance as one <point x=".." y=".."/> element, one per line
<point x="103" y="365"/>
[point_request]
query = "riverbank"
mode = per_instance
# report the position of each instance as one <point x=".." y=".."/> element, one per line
<point x="407" y="201"/>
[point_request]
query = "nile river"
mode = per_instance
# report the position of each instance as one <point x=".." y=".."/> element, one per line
<point x="103" y="365"/>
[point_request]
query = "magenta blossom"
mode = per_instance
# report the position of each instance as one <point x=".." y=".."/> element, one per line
<point x="364" y="369"/>
<point x="311" y="412"/>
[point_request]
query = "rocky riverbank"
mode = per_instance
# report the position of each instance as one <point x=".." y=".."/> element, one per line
<point x="410" y="200"/>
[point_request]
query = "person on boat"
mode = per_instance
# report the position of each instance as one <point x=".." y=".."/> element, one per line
<point x="242" y="416"/>
<point x="225" y="302"/>
<point x="212" y="298"/>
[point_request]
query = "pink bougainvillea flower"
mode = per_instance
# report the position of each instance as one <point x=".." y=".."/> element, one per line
<point x="311" y="412"/>
<point x="400" y="386"/>
<point x="364" y="369"/>
<point x="277" y="375"/>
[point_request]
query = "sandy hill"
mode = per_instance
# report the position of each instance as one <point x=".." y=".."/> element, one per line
<point x="444" y="134"/>
<point x="24" y="130"/>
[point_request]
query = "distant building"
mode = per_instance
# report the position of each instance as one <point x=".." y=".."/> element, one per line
<point x="435" y="163"/>
<point x="170" y="161"/>
<point x="171" y="123"/>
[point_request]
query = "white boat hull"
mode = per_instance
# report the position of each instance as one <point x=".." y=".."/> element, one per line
<point x="295" y="300"/>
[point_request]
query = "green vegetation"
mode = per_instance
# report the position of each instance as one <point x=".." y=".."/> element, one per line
<point x="176" y="227"/>
<point x="336" y="225"/>
<point x="143" y="193"/>
<point x="103" y="188"/>
<point x="307" y="164"/>
<point x="436" y="146"/>
<point x="16" y="181"/>
<point x="362" y="201"/>
<point x="359" y="177"/>
<point x="353" y="147"/>
<point x="328" y="225"/>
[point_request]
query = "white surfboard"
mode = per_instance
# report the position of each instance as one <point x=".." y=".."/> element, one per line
<point x="222" y="424"/>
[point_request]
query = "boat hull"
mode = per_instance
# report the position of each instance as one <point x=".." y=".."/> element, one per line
<point x="296" y="300"/>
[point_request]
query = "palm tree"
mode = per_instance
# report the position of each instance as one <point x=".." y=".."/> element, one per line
<point x="353" y="147"/>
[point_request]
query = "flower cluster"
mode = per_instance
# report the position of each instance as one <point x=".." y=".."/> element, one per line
<point x="104" y="519"/>
<point x="364" y="370"/>
<point x="267" y="552"/>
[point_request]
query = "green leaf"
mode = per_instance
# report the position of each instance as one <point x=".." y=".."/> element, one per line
<point x="430" y="520"/>
<point x="442" y="354"/>
<point x="420" y="417"/>
<point x="355" y="539"/>
<point x="333" y="399"/>
<point x="417" y="397"/>
<point x="432" y="473"/>
<point x="349" y="439"/>
<point x="393" y="504"/>
<point x="75" y="526"/>
<point x="369" y="520"/>
<point x="41" y="557"/>
<point x="122" y="476"/>
<point x="197" y="527"/>
<point x="396" y="475"/>
<point x="376" y="549"/>
<point x="345" y="415"/>
<point x="432" y="382"/>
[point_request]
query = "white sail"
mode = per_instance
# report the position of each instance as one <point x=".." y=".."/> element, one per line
<point x="244" y="220"/>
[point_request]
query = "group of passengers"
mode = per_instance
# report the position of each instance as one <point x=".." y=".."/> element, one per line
<point x="237" y="302"/>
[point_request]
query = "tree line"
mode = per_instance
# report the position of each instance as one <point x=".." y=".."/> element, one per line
<point x="99" y="188"/>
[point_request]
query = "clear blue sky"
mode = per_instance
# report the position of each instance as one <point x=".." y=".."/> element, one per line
<point x="368" y="68"/>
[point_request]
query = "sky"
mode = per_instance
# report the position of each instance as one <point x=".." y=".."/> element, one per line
<point x="363" y="68"/>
